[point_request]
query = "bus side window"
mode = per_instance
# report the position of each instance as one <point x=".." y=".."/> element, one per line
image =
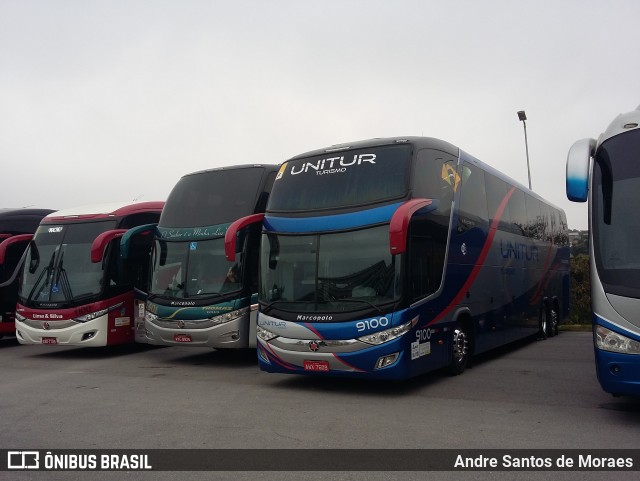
<point x="496" y="193"/>
<point x="518" y="212"/>
<point x="473" y="202"/>
<point x="426" y="258"/>
<point x="534" y="228"/>
<point x="435" y="177"/>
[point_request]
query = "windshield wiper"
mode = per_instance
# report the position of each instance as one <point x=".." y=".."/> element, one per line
<point x="356" y="300"/>
<point x="48" y="271"/>
<point x="268" y="307"/>
<point x="61" y="278"/>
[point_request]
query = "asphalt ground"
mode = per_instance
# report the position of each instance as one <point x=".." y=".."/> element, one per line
<point x="530" y="395"/>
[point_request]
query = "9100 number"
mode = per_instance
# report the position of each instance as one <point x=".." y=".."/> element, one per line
<point x="372" y="324"/>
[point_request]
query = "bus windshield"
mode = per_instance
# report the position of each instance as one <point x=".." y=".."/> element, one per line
<point x="342" y="179"/>
<point x="58" y="265"/>
<point x="212" y="197"/>
<point x="333" y="272"/>
<point x="193" y="269"/>
<point x="616" y="224"/>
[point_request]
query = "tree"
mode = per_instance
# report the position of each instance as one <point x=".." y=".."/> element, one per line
<point x="580" y="290"/>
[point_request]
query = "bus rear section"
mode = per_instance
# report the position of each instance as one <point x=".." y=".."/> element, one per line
<point x="606" y="173"/>
<point x="16" y="231"/>
<point x="76" y="289"/>
<point x="393" y="257"/>
<point x="204" y="269"/>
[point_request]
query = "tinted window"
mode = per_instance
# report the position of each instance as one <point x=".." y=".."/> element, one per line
<point x="213" y="197"/>
<point x="143" y="218"/>
<point x="533" y="228"/>
<point x="428" y="241"/>
<point x="473" y="203"/>
<point x="518" y="212"/>
<point x="616" y="224"/>
<point x="564" y="236"/>
<point x="435" y="177"/>
<point x="496" y="190"/>
<point x="342" y="179"/>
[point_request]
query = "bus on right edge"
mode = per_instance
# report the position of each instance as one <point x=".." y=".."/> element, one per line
<point x="606" y="172"/>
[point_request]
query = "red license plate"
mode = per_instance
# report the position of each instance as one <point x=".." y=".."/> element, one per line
<point x="318" y="366"/>
<point x="182" y="337"/>
<point x="49" y="340"/>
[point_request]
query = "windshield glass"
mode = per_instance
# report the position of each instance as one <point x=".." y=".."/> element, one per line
<point x="616" y="180"/>
<point x="341" y="179"/>
<point x="191" y="269"/>
<point x="58" y="266"/>
<point x="330" y="272"/>
<point x="212" y="197"/>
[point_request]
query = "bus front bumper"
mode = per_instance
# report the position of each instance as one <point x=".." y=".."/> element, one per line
<point x="618" y="374"/>
<point x="229" y="335"/>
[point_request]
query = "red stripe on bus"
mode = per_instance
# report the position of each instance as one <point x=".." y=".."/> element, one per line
<point x="483" y="255"/>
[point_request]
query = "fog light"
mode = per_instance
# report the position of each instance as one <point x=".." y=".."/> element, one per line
<point x="387" y="360"/>
<point x="88" y="335"/>
<point x="615" y="369"/>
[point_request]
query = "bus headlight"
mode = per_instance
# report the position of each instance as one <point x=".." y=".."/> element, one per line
<point x="229" y="316"/>
<point x="20" y="317"/>
<point x="150" y="317"/>
<point x="607" y="340"/>
<point x="387" y="335"/>
<point x="265" y="335"/>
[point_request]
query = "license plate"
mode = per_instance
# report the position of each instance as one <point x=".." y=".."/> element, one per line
<point x="49" y="340"/>
<point x="182" y="337"/>
<point x="318" y="366"/>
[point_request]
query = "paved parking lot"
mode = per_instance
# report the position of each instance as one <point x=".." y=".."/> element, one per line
<point x="531" y="395"/>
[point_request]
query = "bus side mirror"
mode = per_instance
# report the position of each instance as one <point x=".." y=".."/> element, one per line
<point x="126" y="239"/>
<point x="231" y="236"/>
<point x="4" y="245"/>
<point x="399" y="225"/>
<point x="578" y="162"/>
<point x="102" y="241"/>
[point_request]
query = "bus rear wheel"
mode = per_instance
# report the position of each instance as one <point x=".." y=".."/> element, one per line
<point x="553" y="321"/>
<point x="461" y="344"/>
<point x="543" y="324"/>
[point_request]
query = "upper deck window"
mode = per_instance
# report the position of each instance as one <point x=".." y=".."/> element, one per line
<point x="212" y="197"/>
<point x="342" y="179"/>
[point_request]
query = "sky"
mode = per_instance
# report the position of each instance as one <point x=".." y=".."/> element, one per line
<point x="104" y="101"/>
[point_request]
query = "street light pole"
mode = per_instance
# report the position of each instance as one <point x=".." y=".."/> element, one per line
<point x="522" y="116"/>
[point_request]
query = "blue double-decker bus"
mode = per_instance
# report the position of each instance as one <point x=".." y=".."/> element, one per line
<point x="606" y="172"/>
<point x="392" y="257"/>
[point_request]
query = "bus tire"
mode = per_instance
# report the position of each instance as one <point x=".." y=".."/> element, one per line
<point x="461" y="347"/>
<point x="553" y="321"/>
<point x="543" y="321"/>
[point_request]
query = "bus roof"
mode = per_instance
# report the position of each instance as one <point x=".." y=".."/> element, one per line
<point x="425" y="142"/>
<point x="622" y="123"/>
<point x="96" y="211"/>
<point x="9" y="213"/>
<point x="21" y="221"/>
<point x="235" y="167"/>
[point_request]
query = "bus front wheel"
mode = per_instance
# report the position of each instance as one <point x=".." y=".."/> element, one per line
<point x="461" y="348"/>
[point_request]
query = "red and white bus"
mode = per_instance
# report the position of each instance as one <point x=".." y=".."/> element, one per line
<point x="75" y="287"/>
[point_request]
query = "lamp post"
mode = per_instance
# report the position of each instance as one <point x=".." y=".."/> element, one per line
<point x="522" y="116"/>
